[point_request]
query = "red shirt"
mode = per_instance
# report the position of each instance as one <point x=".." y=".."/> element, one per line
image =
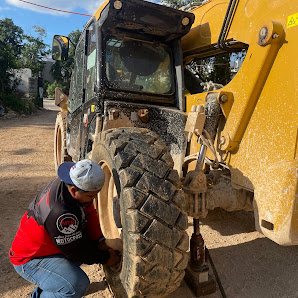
<point x="55" y="223"/>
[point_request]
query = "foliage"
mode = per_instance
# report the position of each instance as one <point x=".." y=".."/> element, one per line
<point x="10" y="48"/>
<point x="61" y="70"/>
<point x="217" y="68"/>
<point x="45" y="85"/>
<point x="37" y="101"/>
<point x="18" y="104"/>
<point x="11" y="36"/>
<point x="34" y="51"/>
<point x="51" y="88"/>
<point x="201" y="67"/>
<point x="220" y="71"/>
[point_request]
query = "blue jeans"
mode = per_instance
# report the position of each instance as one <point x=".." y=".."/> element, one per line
<point x="54" y="276"/>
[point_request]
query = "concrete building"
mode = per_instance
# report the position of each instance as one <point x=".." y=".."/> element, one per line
<point x="23" y="76"/>
<point x="27" y="82"/>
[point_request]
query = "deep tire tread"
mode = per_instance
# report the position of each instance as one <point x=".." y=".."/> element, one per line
<point x="153" y="211"/>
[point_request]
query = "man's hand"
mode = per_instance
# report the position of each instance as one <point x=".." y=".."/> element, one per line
<point x="114" y="259"/>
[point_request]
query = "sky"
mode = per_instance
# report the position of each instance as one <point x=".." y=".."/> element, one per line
<point x="26" y="15"/>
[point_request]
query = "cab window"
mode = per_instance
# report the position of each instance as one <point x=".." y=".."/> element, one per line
<point x="91" y="63"/>
<point x="138" y="66"/>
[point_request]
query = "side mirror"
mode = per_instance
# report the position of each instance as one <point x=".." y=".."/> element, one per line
<point x="60" y="48"/>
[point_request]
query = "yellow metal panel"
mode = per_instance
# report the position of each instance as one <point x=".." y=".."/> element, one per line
<point x="263" y="120"/>
<point x="206" y="27"/>
<point x="263" y="57"/>
<point x="276" y="201"/>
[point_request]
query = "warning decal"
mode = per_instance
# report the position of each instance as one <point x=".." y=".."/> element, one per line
<point x="292" y="20"/>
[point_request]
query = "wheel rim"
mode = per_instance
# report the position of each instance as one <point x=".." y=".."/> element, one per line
<point x="104" y="206"/>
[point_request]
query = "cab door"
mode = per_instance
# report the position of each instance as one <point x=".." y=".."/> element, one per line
<point x="90" y="104"/>
<point x="76" y="99"/>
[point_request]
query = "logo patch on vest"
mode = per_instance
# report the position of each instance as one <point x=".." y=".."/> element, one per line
<point x="67" y="223"/>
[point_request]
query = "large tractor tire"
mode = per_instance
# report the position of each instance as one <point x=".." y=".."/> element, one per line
<point x="140" y="212"/>
<point x="60" y="149"/>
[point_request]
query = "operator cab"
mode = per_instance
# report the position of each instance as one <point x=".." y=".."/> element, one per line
<point x="128" y="52"/>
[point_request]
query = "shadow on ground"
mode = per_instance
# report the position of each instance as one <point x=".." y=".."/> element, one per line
<point x="259" y="268"/>
<point x="230" y="223"/>
<point x="96" y="287"/>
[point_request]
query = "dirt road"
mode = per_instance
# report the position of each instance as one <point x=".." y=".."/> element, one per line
<point x="248" y="264"/>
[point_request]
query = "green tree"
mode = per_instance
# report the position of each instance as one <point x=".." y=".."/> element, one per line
<point x="34" y="51"/>
<point x="15" y="54"/>
<point x="62" y="70"/>
<point x="11" y="38"/>
<point x="51" y="88"/>
<point x="221" y="71"/>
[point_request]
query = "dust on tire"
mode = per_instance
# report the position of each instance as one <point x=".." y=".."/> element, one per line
<point x="153" y="223"/>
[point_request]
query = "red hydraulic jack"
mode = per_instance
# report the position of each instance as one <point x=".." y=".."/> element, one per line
<point x="197" y="272"/>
